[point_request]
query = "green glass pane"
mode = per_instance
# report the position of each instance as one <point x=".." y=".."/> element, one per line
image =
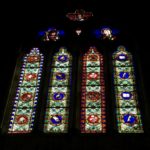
<point x="93" y="69"/>
<point x="33" y="65"/>
<point x="124" y="88"/>
<point x="92" y="83"/>
<point x="33" y="70"/>
<point x="124" y="82"/>
<point x="93" y="64"/>
<point x="93" y="88"/>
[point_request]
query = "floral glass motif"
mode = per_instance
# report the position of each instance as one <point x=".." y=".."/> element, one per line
<point x="79" y="15"/>
<point x="127" y="107"/>
<point x="57" y="109"/>
<point x="24" y="107"/>
<point x="93" y="93"/>
<point x="52" y="34"/>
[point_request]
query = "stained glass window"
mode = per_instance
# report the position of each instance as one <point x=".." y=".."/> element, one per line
<point x="106" y="33"/>
<point x="127" y="107"/>
<point x="24" y="107"/>
<point x="93" y="118"/>
<point x="57" y="109"/>
<point x="79" y="15"/>
<point x="78" y="31"/>
<point x="52" y="34"/>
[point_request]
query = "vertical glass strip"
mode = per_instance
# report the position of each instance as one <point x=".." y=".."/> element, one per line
<point x="23" y="113"/>
<point x="93" y="118"/>
<point x="57" y="109"/>
<point x="127" y="107"/>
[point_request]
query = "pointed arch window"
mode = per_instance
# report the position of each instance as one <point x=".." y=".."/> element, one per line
<point x="93" y="93"/>
<point x="24" y="107"/>
<point x="127" y="106"/>
<point x="57" y="108"/>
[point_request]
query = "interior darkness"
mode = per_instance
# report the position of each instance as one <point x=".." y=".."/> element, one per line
<point x="20" y="27"/>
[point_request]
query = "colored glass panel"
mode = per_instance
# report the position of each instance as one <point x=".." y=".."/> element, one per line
<point x="93" y="93"/>
<point x="106" y="33"/>
<point x="57" y="108"/>
<point x="24" y="107"/>
<point x="127" y="107"/>
<point x="52" y="34"/>
<point x="79" y="15"/>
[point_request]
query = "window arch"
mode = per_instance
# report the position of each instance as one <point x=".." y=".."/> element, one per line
<point x="24" y="107"/>
<point x="93" y="93"/>
<point x="127" y="107"/>
<point x="57" y="108"/>
<point x="93" y="114"/>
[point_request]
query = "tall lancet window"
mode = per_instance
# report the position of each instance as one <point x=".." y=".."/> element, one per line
<point x="57" y="108"/>
<point x="127" y="106"/>
<point x="24" y="107"/>
<point x="93" y="118"/>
